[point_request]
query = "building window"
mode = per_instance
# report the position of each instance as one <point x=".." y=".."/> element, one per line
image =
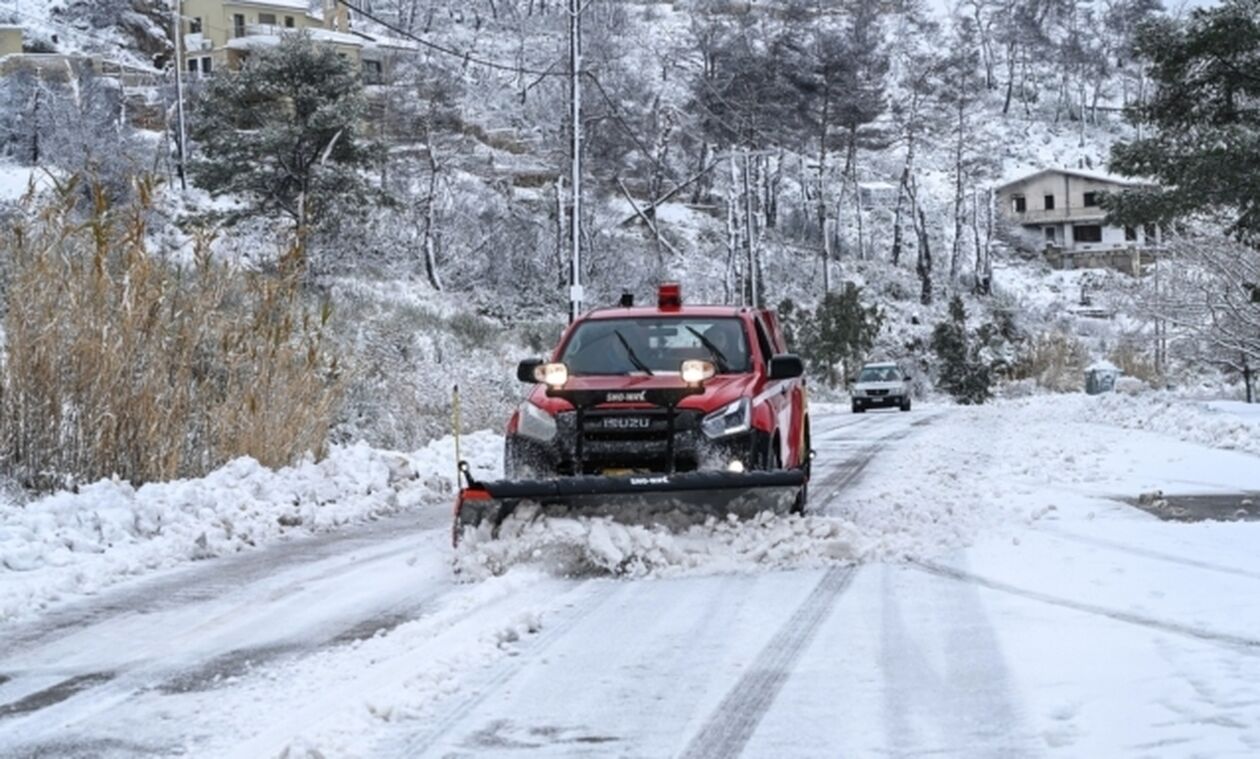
<point x="1019" y="203"/>
<point x="288" y="22"/>
<point x="1151" y="234"/>
<point x="1049" y="234"/>
<point x="205" y="66"/>
<point x="267" y="19"/>
<point x="372" y="72"/>
<point x="194" y="26"/>
<point x="1130" y="234"/>
<point x="1087" y="233"/>
<point x="238" y="24"/>
<point x="1049" y="202"/>
<point x="1091" y="200"/>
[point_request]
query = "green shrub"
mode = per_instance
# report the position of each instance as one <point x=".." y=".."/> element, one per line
<point x="962" y="372"/>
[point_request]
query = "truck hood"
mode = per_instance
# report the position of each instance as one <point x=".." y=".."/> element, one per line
<point x="718" y="391"/>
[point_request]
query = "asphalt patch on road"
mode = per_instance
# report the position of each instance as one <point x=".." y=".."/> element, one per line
<point x="223" y="670"/>
<point x="92" y="749"/>
<point x="1230" y="507"/>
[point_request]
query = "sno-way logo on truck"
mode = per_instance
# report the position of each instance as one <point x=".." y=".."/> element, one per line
<point x="639" y="397"/>
<point x="649" y="480"/>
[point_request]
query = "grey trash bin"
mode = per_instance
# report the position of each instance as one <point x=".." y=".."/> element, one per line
<point x="1101" y="378"/>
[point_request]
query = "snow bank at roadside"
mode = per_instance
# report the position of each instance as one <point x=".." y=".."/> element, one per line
<point x="1215" y="424"/>
<point x="80" y="542"/>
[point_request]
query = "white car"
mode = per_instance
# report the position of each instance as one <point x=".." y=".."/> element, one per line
<point x="881" y="386"/>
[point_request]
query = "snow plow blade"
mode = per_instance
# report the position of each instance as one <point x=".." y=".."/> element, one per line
<point x="635" y="499"/>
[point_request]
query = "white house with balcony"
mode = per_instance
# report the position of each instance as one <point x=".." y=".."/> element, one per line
<point x="221" y="34"/>
<point x="1062" y="210"/>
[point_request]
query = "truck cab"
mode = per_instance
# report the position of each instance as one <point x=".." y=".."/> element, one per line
<point x="750" y="413"/>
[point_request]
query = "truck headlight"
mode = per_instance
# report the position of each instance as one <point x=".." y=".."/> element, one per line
<point x="728" y="420"/>
<point x="553" y="375"/>
<point x="695" y="371"/>
<point x="536" y="423"/>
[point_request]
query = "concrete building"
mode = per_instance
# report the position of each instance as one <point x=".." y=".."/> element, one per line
<point x="1061" y="209"/>
<point x="10" y="40"/>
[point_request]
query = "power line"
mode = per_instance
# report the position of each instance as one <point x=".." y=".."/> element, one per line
<point x="468" y="57"/>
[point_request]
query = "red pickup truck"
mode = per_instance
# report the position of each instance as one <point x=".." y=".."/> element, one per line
<point x="700" y="409"/>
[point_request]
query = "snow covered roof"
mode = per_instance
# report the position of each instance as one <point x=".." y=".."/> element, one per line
<point x="1102" y="366"/>
<point x="378" y="40"/>
<point x="1097" y="176"/>
<point x="292" y="5"/>
<point x="257" y="41"/>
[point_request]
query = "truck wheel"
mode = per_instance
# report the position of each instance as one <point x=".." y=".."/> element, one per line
<point x="857" y="408"/>
<point x="905" y="405"/>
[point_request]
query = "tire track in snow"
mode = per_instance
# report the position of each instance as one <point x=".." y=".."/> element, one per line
<point x="1247" y="645"/>
<point x="736" y="718"/>
<point x="88" y="694"/>
<point x="569" y="615"/>
<point x="1147" y="553"/>
<point x="55" y="694"/>
<point x="210" y="579"/>
<point x="846" y="472"/>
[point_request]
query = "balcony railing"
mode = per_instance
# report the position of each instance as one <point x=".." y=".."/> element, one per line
<point x="274" y="30"/>
<point x="1059" y="215"/>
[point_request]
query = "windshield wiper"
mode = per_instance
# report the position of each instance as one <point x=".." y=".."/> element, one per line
<point x="634" y="359"/>
<point x="720" y="358"/>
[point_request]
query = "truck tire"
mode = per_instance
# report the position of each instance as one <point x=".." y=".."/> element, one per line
<point x="905" y="405"/>
<point x="857" y="408"/>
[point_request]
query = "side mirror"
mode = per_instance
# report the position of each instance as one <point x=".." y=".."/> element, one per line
<point x="786" y="366"/>
<point x="907" y="378"/>
<point x="525" y="370"/>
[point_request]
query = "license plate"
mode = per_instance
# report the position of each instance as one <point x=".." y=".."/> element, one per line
<point x="626" y="423"/>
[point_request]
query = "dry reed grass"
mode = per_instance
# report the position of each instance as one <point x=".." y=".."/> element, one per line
<point x="1055" y="360"/>
<point x="117" y="363"/>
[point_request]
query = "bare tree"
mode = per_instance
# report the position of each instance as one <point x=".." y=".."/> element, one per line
<point x="1208" y="295"/>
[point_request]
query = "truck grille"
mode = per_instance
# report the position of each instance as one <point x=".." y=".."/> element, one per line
<point x="635" y="424"/>
<point x="630" y="438"/>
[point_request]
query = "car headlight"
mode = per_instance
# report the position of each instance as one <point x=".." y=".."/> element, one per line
<point x="728" y="420"/>
<point x="536" y="423"/>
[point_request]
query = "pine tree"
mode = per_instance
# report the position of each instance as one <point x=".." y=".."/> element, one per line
<point x="962" y="372"/>
<point x="840" y="332"/>
<point x="1205" y="151"/>
<point x="285" y="132"/>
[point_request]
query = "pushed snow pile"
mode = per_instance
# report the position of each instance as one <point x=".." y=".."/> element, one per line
<point x="1225" y="425"/>
<point x="80" y="542"/>
<point x="599" y="545"/>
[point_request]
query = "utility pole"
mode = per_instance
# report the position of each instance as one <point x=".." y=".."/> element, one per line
<point x="829" y="226"/>
<point x="575" y="97"/>
<point x="748" y="224"/>
<point x="178" y="28"/>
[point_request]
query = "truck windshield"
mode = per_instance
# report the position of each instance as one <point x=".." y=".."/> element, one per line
<point x="626" y="346"/>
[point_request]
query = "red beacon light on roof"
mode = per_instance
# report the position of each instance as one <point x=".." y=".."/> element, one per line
<point x="669" y="297"/>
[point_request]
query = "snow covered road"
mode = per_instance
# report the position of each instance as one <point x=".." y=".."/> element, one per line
<point x="970" y="587"/>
